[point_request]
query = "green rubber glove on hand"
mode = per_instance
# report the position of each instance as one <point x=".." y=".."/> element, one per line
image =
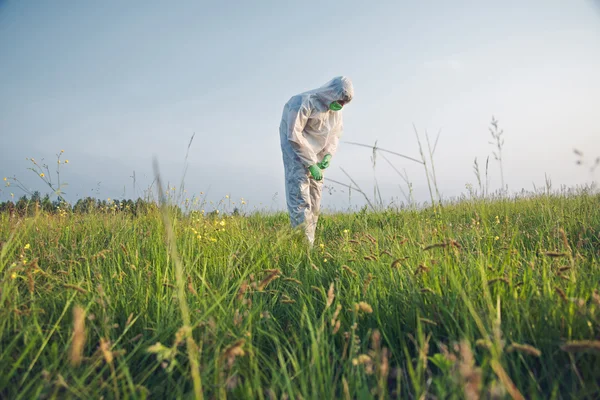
<point x="316" y="172"/>
<point x="325" y="163"/>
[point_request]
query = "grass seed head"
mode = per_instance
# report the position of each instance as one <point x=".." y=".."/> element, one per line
<point x="78" y="336"/>
<point x="349" y="270"/>
<point x="273" y="274"/>
<point x="330" y="295"/>
<point x="106" y="352"/>
<point x="364" y="307"/>
<point x="524" y="348"/>
<point x="576" y="346"/>
<point x="561" y="293"/>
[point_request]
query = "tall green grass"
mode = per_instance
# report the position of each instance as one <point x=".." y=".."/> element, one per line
<point x="487" y="299"/>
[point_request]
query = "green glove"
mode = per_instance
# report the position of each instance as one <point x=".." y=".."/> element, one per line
<point x="325" y="163"/>
<point x="315" y="171"/>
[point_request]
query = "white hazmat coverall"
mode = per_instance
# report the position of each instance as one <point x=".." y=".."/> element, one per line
<point x="309" y="130"/>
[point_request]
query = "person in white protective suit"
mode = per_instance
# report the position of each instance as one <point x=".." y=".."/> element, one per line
<point x="310" y="129"/>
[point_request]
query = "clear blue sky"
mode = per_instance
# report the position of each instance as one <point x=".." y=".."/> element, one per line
<point x="114" y="83"/>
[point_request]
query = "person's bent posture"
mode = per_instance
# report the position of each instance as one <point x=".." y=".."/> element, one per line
<point x="310" y="130"/>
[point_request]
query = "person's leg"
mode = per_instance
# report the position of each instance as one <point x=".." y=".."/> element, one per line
<point x="297" y="188"/>
<point x="316" y="189"/>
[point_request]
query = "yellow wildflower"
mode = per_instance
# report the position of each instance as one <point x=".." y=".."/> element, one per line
<point x="66" y="161"/>
<point x="13" y="275"/>
<point x="199" y="237"/>
<point x="4" y="179"/>
<point x="222" y="223"/>
<point x="27" y="246"/>
<point x="42" y="175"/>
<point x="62" y="151"/>
<point x="497" y="237"/>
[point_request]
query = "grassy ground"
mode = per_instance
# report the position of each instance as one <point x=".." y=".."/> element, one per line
<point x="505" y="304"/>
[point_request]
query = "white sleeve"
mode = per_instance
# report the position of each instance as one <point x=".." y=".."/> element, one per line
<point x="332" y="142"/>
<point x="296" y="121"/>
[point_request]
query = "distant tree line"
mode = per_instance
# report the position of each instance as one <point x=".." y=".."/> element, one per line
<point x="29" y="206"/>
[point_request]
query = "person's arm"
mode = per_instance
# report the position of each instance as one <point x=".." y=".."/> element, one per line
<point x="331" y="147"/>
<point x="296" y="121"/>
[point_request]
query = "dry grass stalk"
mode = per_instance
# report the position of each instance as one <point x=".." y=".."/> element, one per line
<point x="330" y="296"/>
<point x="491" y="281"/>
<point x="106" y="352"/>
<point x="561" y="293"/>
<point x="524" y="348"/>
<point x="422" y="268"/>
<point x="233" y="351"/>
<point x="129" y="319"/>
<point x="294" y="280"/>
<point x="470" y="374"/>
<point x="428" y="321"/>
<point x="576" y="346"/>
<point x="506" y="381"/>
<point x="242" y="290"/>
<point x="191" y="286"/>
<point x="336" y="314"/>
<point x="555" y="254"/>
<point x="596" y="297"/>
<point x="397" y="262"/>
<point x="77" y="288"/>
<point x="565" y="240"/>
<point x="367" y="283"/>
<point x="361" y="359"/>
<point x="336" y="328"/>
<point x="370" y="258"/>
<point x="427" y="290"/>
<point x="101" y="253"/>
<point x="136" y="338"/>
<point x="364" y="307"/>
<point x="78" y="336"/>
<point x="563" y="269"/>
<point x="273" y="274"/>
<point x="349" y="270"/>
<point x="371" y="238"/>
<point x="449" y="243"/>
<point x="30" y="281"/>
<point x="386" y="252"/>
<point x="346" y="389"/>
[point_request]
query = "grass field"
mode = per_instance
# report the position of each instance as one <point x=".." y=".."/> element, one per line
<point x="480" y="299"/>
